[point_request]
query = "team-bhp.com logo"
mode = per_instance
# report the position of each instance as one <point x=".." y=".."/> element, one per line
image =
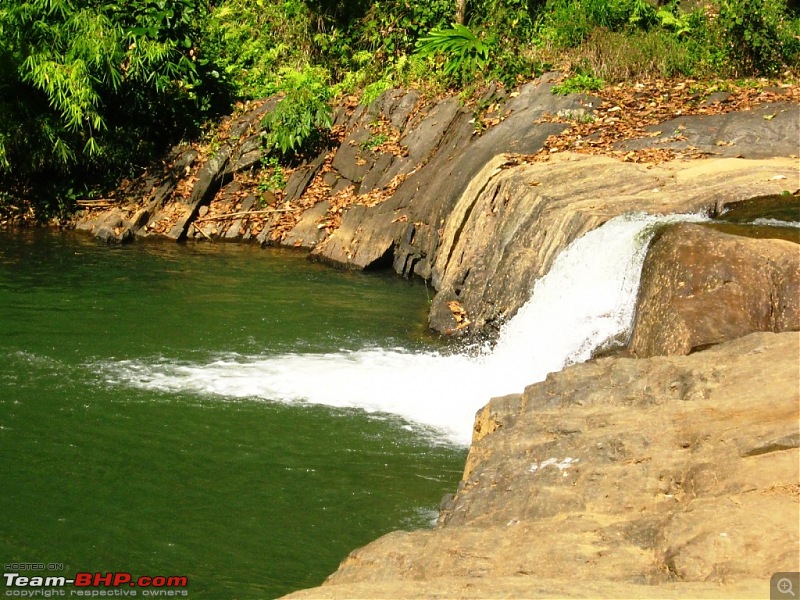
<point x="95" y="585"/>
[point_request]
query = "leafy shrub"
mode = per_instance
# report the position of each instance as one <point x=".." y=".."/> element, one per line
<point x="567" y="23"/>
<point x="392" y="28"/>
<point x="464" y="52"/>
<point x="757" y="35"/>
<point x="512" y="24"/>
<point x="680" y="24"/>
<point x="578" y="83"/>
<point x="250" y="40"/>
<point x="303" y="113"/>
<point x="511" y="20"/>
<point x="373" y="91"/>
<point x="272" y="177"/>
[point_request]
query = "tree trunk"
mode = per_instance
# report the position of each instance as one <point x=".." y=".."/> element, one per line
<point x="461" y="9"/>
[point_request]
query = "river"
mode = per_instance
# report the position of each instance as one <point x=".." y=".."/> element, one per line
<point x="245" y="418"/>
<point x="247" y="496"/>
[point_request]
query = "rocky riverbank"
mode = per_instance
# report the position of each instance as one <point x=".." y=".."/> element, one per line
<point x="619" y="478"/>
<point x="672" y="475"/>
<point x="668" y="470"/>
<point x="479" y="199"/>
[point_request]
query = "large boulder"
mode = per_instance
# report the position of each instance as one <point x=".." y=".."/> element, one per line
<point x="702" y="287"/>
<point x="626" y="478"/>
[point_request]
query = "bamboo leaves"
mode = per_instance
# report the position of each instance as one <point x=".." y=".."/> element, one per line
<point x="81" y="76"/>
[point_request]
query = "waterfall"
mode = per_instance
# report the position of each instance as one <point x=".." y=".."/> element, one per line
<point x="586" y="300"/>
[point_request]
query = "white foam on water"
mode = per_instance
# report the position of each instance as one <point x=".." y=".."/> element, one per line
<point x="586" y="299"/>
<point x="777" y="223"/>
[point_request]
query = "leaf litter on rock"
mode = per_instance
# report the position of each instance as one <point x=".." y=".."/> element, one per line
<point x="628" y="109"/>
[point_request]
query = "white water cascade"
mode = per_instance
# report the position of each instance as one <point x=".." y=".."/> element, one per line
<point x="586" y="300"/>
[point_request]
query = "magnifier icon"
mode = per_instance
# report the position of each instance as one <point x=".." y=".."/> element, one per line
<point x="785" y="586"/>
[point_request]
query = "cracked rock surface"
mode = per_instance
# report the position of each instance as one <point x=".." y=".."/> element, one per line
<point x="671" y="476"/>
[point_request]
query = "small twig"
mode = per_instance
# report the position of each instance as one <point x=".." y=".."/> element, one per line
<point x="95" y="203"/>
<point x="244" y="214"/>
<point x="196" y="228"/>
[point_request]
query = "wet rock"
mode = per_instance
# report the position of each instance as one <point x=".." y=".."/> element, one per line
<point x="113" y="227"/>
<point x="775" y="207"/>
<point x="702" y="287"/>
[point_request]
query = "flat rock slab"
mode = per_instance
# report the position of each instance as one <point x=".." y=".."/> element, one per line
<point x="521" y="587"/>
<point x="661" y="477"/>
<point x="765" y="131"/>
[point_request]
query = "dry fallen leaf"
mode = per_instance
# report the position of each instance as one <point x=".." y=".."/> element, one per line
<point x="459" y="314"/>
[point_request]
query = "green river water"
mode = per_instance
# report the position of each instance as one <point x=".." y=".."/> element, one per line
<point x="247" y="498"/>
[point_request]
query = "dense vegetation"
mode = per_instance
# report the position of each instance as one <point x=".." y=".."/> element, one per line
<point x="91" y="91"/>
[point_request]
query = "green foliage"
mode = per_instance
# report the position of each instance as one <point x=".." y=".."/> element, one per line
<point x="671" y="20"/>
<point x="370" y="42"/>
<point x="303" y="112"/>
<point x="463" y="51"/>
<point x="758" y="36"/>
<point x="250" y="40"/>
<point x="272" y="178"/>
<point x="391" y="29"/>
<point x="577" y="84"/>
<point x="92" y="90"/>
<point x="506" y="27"/>
<point x="373" y="91"/>
<point x="88" y="89"/>
<point x="374" y="141"/>
<point x="568" y="23"/>
<point x="745" y="37"/>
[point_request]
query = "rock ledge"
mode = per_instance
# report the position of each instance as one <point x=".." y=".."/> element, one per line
<point x="671" y="476"/>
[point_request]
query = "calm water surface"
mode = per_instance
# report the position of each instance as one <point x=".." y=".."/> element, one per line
<point x="249" y="498"/>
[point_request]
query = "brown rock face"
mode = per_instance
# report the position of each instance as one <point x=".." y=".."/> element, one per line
<point x="510" y="224"/>
<point x="701" y="287"/>
<point x="627" y="478"/>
